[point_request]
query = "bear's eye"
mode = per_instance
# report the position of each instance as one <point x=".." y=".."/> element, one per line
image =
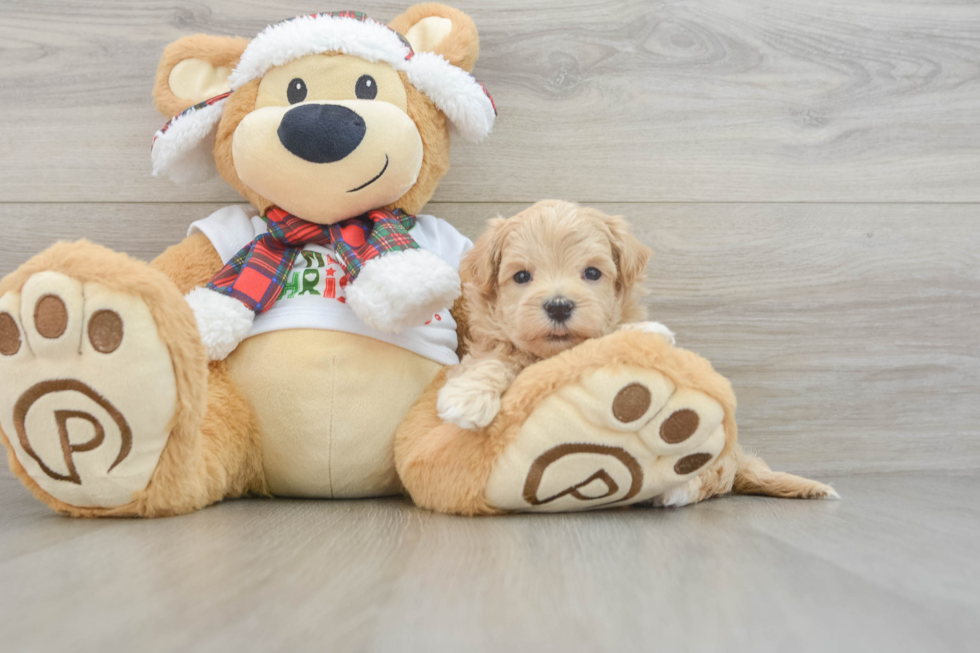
<point x="296" y="91"/>
<point x="366" y="88"/>
<point x="522" y="277"/>
<point x="592" y="274"/>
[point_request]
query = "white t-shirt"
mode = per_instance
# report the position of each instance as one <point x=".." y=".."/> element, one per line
<point x="315" y="297"/>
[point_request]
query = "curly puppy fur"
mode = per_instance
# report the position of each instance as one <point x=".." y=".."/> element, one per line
<point x="536" y="284"/>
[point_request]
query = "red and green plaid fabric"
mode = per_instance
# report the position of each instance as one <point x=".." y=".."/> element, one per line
<point x="196" y="107"/>
<point x="256" y="274"/>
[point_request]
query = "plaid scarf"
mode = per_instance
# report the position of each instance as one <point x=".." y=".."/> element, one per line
<point x="256" y="274"/>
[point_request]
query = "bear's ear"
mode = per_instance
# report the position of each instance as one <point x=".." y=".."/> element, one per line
<point x="432" y="27"/>
<point x="194" y="69"/>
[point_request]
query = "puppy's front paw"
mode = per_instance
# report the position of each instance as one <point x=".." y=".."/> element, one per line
<point x="651" y="327"/>
<point x="467" y="405"/>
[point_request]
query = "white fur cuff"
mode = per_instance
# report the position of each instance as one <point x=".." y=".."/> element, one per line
<point x="222" y="321"/>
<point x="403" y="289"/>
<point x="184" y="152"/>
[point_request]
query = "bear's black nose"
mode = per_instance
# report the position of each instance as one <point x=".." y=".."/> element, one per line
<point x="321" y="133"/>
<point x="559" y="309"/>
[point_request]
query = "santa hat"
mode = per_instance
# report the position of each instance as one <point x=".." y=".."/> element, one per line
<point x="182" y="150"/>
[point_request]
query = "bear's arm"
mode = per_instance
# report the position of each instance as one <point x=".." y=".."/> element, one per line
<point x="190" y="263"/>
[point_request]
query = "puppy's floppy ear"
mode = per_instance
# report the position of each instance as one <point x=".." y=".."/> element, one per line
<point x="432" y="27"/>
<point x="631" y="256"/>
<point x="481" y="266"/>
<point x="194" y="69"/>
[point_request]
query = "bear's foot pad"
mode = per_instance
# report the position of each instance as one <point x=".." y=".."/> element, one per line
<point x="620" y="436"/>
<point x="87" y="389"/>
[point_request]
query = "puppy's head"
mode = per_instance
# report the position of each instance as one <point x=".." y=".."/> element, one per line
<point x="552" y="276"/>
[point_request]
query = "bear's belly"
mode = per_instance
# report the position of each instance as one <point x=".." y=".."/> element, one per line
<point x="328" y="404"/>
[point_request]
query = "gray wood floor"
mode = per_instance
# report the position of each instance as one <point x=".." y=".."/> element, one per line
<point x="808" y="173"/>
<point x="892" y="567"/>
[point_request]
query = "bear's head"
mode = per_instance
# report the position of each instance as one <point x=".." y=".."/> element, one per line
<point x="324" y="116"/>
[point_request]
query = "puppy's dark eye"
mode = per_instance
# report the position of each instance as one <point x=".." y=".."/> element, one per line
<point x="296" y="91"/>
<point x="522" y="277"/>
<point x="366" y="88"/>
<point x="592" y="274"/>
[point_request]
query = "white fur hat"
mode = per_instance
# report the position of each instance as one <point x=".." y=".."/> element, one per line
<point x="182" y="150"/>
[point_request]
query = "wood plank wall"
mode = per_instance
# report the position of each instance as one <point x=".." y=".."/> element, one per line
<point x="807" y="171"/>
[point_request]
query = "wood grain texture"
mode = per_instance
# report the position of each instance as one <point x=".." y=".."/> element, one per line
<point x="678" y="100"/>
<point x="848" y="331"/>
<point x="892" y="567"/>
<point x="807" y="172"/>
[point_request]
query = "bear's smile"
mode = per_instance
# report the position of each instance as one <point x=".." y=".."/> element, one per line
<point x="374" y="179"/>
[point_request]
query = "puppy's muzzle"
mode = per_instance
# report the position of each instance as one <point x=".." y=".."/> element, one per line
<point x="321" y="133"/>
<point x="559" y="309"/>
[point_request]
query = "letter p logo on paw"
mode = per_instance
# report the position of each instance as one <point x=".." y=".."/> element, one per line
<point x="62" y="416"/>
<point x="87" y="389"/>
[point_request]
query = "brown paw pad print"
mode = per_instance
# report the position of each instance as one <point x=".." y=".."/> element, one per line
<point x="105" y="327"/>
<point x="679" y="426"/>
<point x="691" y="463"/>
<point x="105" y="331"/>
<point x="631" y="403"/>
<point x="9" y="335"/>
<point x="50" y="316"/>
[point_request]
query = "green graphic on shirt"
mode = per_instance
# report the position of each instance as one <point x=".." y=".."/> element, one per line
<point x="313" y="256"/>
<point x="291" y="287"/>
<point x="304" y="281"/>
<point x="310" y="279"/>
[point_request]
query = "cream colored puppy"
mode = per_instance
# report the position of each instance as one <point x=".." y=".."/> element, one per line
<point x="535" y="285"/>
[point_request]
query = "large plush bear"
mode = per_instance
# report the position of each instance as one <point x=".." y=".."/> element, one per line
<point x="279" y="348"/>
<point x="121" y="396"/>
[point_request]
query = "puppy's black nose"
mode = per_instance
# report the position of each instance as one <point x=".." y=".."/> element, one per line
<point x="321" y="133"/>
<point x="559" y="309"/>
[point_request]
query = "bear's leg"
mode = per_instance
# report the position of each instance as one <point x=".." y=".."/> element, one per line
<point x="104" y="386"/>
<point x="614" y="421"/>
<point x="443" y="466"/>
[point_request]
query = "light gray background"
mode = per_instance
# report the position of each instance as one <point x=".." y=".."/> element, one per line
<point x="807" y="172"/>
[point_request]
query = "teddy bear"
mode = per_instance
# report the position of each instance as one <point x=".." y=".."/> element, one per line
<point x="276" y="349"/>
<point x="296" y="346"/>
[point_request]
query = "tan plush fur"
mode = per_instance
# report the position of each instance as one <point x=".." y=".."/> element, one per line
<point x="434" y="130"/>
<point x="239" y="105"/>
<point x="190" y="263"/>
<point x="446" y="468"/>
